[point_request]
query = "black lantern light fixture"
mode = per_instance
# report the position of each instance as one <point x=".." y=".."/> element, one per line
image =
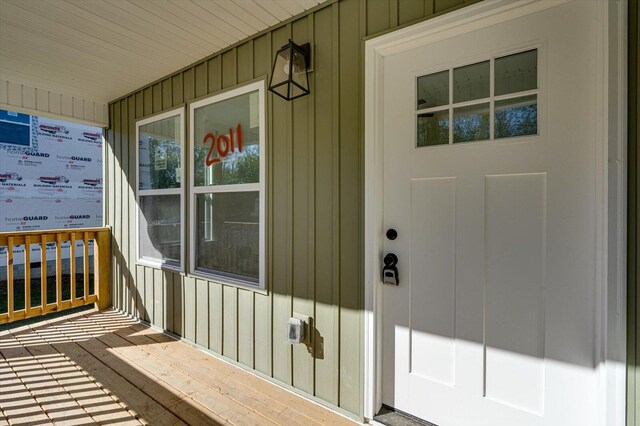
<point x="290" y="72"/>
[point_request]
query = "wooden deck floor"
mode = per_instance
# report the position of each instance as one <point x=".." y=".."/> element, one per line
<point x="102" y="367"/>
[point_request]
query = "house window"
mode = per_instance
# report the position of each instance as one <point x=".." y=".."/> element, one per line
<point x="484" y="101"/>
<point x="160" y="166"/>
<point x="228" y="187"/>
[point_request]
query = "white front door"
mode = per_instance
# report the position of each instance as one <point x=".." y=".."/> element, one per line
<point x="490" y="182"/>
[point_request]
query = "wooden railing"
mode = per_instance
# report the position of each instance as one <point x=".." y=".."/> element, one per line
<point x="101" y="257"/>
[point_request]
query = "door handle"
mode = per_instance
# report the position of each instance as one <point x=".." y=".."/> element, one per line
<point x="390" y="270"/>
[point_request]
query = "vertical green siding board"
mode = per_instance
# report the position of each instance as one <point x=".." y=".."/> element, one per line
<point x="201" y="79"/>
<point x="311" y="204"/>
<point x="377" y="16"/>
<point x="230" y="321"/>
<point x="190" y="308"/>
<point x="245" y="62"/>
<point x="117" y="129"/>
<point x="262" y="303"/>
<point x="245" y="328"/>
<point x="393" y="13"/>
<point x="262" y="333"/>
<point x="229" y="67"/>
<point x="124" y="240"/>
<point x="112" y="207"/>
<point x="261" y="56"/>
<point x="429" y="7"/>
<point x="633" y="214"/>
<point x="350" y="200"/>
<point x="157" y="97"/>
<point x="215" y="317"/>
<point x="132" y="182"/>
<point x="142" y="310"/>
<point x="188" y="80"/>
<point x="111" y="190"/>
<point x="214" y="75"/>
<point x="270" y="214"/>
<point x="158" y="298"/>
<point x="440" y="5"/>
<point x="169" y="278"/>
<point x="124" y="210"/>
<point x="325" y="386"/>
<point x="302" y="362"/>
<point x="167" y="94"/>
<point x="141" y="307"/>
<point x="149" y="288"/>
<point x="178" y="305"/>
<point x="410" y="10"/>
<point x="280" y="124"/>
<point x="139" y="104"/>
<point x="147" y="95"/>
<point x="202" y="312"/>
<point x="336" y="228"/>
<point x="140" y="296"/>
<point x="178" y="89"/>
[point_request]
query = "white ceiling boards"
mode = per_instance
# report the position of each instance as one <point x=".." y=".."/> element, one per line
<point x="79" y="54"/>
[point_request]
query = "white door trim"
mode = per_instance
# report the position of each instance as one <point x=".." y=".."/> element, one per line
<point x="611" y="157"/>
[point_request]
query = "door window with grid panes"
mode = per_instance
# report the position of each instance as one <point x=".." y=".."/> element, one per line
<point x="484" y="101"/>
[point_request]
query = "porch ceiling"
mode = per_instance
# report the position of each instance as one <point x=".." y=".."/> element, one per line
<point x="99" y="50"/>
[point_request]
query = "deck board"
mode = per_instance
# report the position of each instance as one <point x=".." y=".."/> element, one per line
<point x="105" y="368"/>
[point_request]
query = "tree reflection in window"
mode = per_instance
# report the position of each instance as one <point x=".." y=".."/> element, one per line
<point x="167" y="153"/>
<point x="433" y="128"/>
<point x="471" y="123"/>
<point x="516" y="117"/>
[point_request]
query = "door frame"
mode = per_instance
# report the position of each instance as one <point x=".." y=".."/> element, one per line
<point x="611" y="186"/>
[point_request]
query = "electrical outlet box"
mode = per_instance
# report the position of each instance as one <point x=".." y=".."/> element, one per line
<point x="295" y="330"/>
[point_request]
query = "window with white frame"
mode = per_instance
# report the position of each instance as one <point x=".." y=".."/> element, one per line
<point x="485" y="101"/>
<point x="160" y="141"/>
<point x="228" y="187"/>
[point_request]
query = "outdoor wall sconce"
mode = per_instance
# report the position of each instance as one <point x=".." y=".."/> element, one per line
<point x="290" y="72"/>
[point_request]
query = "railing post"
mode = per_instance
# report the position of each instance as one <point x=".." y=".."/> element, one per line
<point x="10" y="295"/>
<point x="101" y="267"/>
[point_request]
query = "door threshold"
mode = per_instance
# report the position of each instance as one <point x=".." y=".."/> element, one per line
<point x="391" y="417"/>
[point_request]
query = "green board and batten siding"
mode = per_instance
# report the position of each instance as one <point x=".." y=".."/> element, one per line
<point x="633" y="230"/>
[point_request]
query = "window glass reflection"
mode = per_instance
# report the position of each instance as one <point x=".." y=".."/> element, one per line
<point x="226" y="142"/>
<point x="471" y="82"/>
<point x="159" y="221"/>
<point x="159" y="154"/>
<point x="471" y="123"/>
<point x="228" y="234"/>
<point x="433" y="128"/>
<point x="516" y="117"/>
<point x="516" y="73"/>
<point x="433" y="90"/>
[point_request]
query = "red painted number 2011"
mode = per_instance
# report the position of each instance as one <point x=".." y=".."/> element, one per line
<point x="223" y="144"/>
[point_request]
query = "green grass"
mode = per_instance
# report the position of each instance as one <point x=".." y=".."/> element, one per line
<point x="19" y="291"/>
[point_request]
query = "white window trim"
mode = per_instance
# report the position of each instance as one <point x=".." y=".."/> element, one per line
<point x="260" y="286"/>
<point x="171" y="191"/>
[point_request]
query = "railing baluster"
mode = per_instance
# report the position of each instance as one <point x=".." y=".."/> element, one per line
<point x="72" y="253"/>
<point x="27" y="276"/>
<point x="101" y="257"/>
<point x="86" y="265"/>
<point x="10" y="277"/>
<point x="43" y="272"/>
<point x="58" y="271"/>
